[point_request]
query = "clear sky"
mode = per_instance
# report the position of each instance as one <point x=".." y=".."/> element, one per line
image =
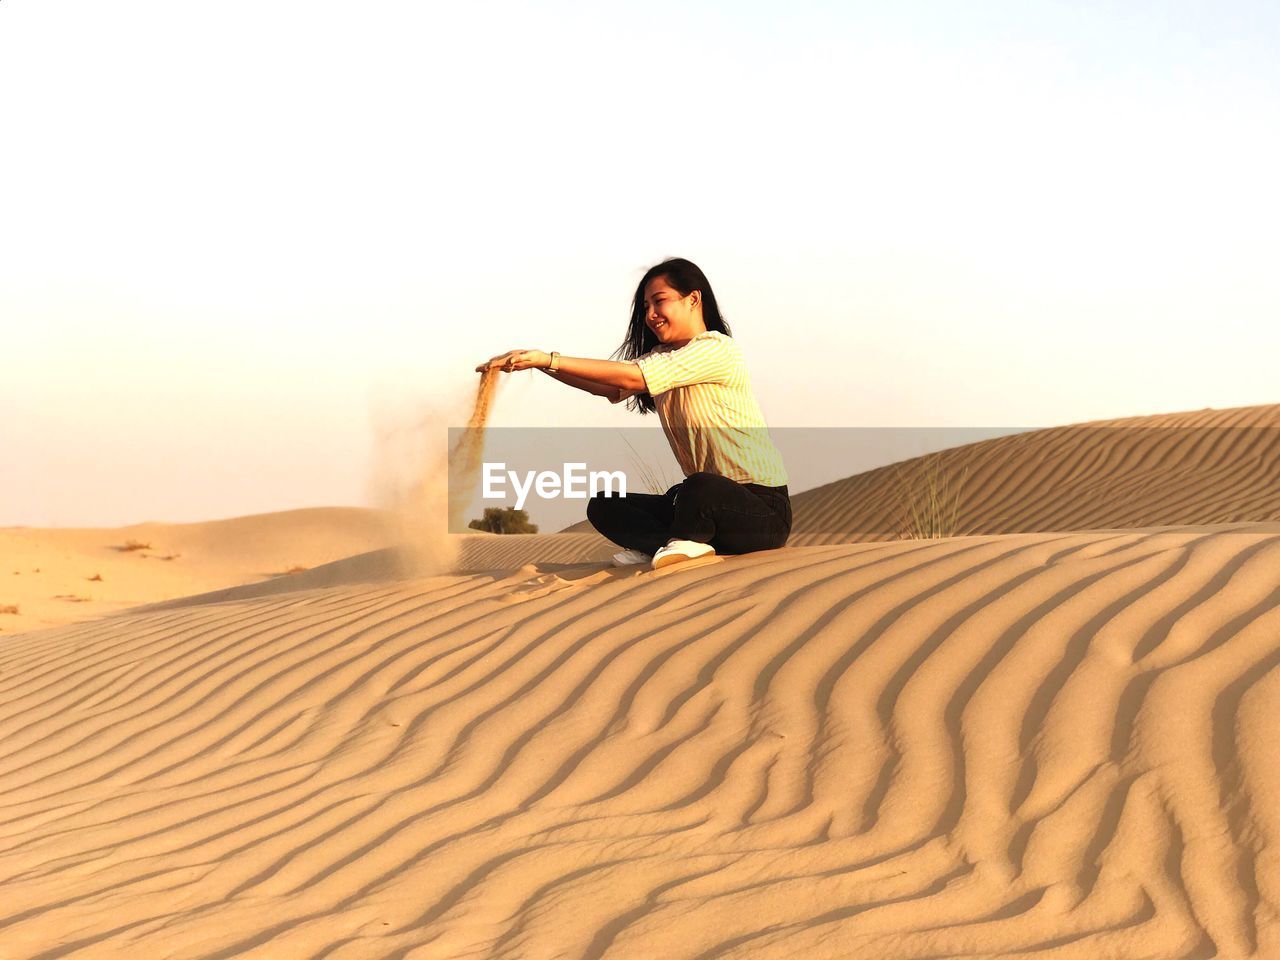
<point x="240" y="240"/>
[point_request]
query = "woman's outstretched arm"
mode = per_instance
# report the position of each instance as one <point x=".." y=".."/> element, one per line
<point x="607" y="376"/>
<point x="599" y="389"/>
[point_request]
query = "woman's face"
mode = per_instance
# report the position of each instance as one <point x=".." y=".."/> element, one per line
<point x="672" y="318"/>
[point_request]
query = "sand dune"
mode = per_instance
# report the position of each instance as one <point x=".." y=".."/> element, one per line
<point x="48" y="574"/>
<point x="1207" y="466"/>
<point x="1048" y="745"/>
<point x="1034" y="744"/>
<point x="1204" y="466"/>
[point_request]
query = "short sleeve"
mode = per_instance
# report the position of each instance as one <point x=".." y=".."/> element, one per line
<point x="707" y="358"/>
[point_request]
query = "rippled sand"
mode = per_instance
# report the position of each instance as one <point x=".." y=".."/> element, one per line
<point x="1043" y="744"/>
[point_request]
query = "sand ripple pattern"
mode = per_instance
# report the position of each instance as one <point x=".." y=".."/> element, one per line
<point x="1043" y="745"/>
<point x="477" y="553"/>
<point x="1204" y="467"/>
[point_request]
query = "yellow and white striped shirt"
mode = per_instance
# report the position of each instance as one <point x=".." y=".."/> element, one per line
<point x="711" y="418"/>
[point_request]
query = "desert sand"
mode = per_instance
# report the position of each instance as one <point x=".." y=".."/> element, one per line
<point x="1046" y="737"/>
<point x="60" y="576"/>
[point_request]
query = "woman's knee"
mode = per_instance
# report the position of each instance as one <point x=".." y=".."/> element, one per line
<point x="600" y="508"/>
<point x="596" y="507"/>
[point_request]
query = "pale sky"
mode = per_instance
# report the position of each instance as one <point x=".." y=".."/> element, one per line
<point x="238" y="240"/>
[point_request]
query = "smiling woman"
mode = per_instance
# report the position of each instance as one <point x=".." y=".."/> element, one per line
<point x="679" y="358"/>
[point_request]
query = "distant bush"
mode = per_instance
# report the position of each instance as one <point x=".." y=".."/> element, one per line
<point x="9" y="608"/>
<point x="132" y="545"/>
<point x="504" y="520"/>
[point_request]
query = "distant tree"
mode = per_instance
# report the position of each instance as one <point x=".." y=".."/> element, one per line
<point x="504" y="520"/>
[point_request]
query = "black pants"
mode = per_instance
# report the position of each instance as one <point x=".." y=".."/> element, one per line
<point x="733" y="517"/>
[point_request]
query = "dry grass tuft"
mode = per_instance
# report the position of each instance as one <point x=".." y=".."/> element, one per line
<point x="653" y="477"/>
<point x="930" y="494"/>
<point x="132" y="545"/>
<point x="10" y="608"/>
<point x="296" y="569"/>
<point x="95" y="578"/>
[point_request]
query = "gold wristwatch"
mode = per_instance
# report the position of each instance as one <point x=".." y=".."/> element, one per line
<point x="554" y="365"/>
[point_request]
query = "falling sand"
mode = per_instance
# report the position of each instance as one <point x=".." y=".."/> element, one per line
<point x="426" y="485"/>
<point x="468" y="454"/>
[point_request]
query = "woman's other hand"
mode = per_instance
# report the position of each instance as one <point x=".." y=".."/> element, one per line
<point x="514" y="360"/>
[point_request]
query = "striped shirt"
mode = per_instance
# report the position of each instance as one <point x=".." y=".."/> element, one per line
<point x="708" y="412"/>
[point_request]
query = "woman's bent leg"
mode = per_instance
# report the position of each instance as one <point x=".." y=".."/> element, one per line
<point x="638" y="521"/>
<point x="728" y="515"/>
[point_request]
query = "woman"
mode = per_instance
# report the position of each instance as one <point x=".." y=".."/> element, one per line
<point x="680" y="359"/>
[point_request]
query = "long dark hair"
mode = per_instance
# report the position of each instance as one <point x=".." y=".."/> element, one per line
<point x="684" y="277"/>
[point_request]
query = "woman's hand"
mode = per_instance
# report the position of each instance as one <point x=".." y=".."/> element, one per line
<point x="514" y="360"/>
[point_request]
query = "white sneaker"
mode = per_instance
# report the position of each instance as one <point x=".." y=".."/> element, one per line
<point x="678" y="550"/>
<point x="629" y="558"/>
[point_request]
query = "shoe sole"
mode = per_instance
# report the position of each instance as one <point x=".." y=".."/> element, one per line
<point x="671" y="559"/>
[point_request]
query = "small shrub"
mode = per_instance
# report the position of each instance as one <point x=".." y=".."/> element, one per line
<point x="504" y="520"/>
<point x="95" y="578"/>
<point x="132" y="545"/>
<point x="10" y="608"/>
